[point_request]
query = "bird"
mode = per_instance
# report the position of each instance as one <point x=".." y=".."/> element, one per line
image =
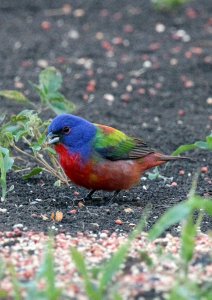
<point x="99" y="157"/>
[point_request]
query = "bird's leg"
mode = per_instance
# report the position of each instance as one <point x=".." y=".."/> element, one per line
<point x="89" y="195"/>
<point x="114" y="195"/>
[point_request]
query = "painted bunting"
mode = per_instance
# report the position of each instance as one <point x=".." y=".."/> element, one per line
<point x="100" y="157"/>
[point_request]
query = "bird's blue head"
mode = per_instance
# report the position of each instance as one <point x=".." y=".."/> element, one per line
<point x="73" y="132"/>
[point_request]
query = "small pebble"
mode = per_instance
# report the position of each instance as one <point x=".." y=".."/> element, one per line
<point x="103" y="235"/>
<point x="73" y="211"/>
<point x="181" y="172"/>
<point x="159" y="27"/>
<point x="18" y="226"/>
<point x="128" y="28"/>
<point x="174" y="183"/>
<point x="78" y="13"/>
<point x="81" y="204"/>
<point x="119" y="222"/>
<point x="147" y="64"/>
<point x="67" y="9"/>
<point x="46" y="25"/>
<point x="128" y="210"/>
<point x="204" y="170"/>
<point x="109" y="97"/>
<point x="181" y="112"/>
<point x="99" y="35"/>
<point x="209" y="101"/>
<point x="173" y="62"/>
<point x="73" y="34"/>
<point x="188" y="84"/>
<point x="42" y="63"/>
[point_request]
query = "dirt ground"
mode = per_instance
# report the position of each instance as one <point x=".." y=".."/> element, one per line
<point x="126" y="65"/>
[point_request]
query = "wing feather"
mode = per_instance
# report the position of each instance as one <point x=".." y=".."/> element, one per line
<point x="113" y="144"/>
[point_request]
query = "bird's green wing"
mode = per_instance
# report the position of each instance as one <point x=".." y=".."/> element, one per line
<point x="113" y="144"/>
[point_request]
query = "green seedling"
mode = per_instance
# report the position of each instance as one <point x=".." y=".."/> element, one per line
<point x="29" y="129"/>
<point x="184" y="288"/>
<point x="50" y="82"/>
<point x="48" y="89"/>
<point x="168" y="5"/>
<point x="204" y="145"/>
<point x="98" y="283"/>
<point x="6" y="163"/>
<point x="45" y="273"/>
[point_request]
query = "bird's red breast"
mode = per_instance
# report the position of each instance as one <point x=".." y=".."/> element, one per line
<point x="104" y="174"/>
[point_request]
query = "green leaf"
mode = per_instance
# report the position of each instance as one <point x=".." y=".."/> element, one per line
<point x="14" y="95"/>
<point x="52" y="292"/>
<point x="198" y="202"/>
<point x="61" y="105"/>
<point x="50" y="80"/>
<point x="20" y="133"/>
<point x="3" y="295"/>
<point x="117" y="297"/>
<point x="6" y="139"/>
<point x="34" y="172"/>
<point x="82" y="269"/>
<point x="8" y="161"/>
<point x="209" y="142"/>
<point x="51" y="150"/>
<point x="114" y="264"/>
<point x="168" y="5"/>
<point x="15" y="283"/>
<point x="185" y="291"/>
<point x="144" y="257"/>
<point x="202" y="145"/>
<point x="2" y="118"/>
<point x="57" y="183"/>
<point x="173" y="216"/>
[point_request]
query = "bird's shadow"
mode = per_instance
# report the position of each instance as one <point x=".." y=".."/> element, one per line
<point x="99" y="201"/>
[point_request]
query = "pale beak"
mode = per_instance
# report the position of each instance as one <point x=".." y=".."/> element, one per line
<point x="52" y="138"/>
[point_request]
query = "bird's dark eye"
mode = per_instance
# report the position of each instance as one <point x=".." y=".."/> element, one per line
<point x="66" y="130"/>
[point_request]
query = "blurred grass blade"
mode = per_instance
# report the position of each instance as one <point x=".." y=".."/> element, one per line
<point x="188" y="236"/>
<point x="198" y="202"/>
<point x="15" y="283"/>
<point x="117" y="297"/>
<point x="14" y="95"/>
<point x="51" y="291"/>
<point x="80" y="264"/>
<point x="114" y="264"/>
<point x="173" y="216"/>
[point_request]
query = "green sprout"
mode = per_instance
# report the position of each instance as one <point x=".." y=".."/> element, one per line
<point x="168" y="5"/>
<point x="29" y="129"/>
<point x="48" y="89"/>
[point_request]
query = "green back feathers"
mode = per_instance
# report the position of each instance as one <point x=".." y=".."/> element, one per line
<point x="113" y="144"/>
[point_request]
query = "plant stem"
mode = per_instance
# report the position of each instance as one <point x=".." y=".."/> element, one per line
<point x="42" y="162"/>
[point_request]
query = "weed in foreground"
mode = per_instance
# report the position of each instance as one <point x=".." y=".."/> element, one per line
<point x="99" y="282"/>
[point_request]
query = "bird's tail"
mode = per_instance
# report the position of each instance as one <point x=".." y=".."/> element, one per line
<point x="165" y="158"/>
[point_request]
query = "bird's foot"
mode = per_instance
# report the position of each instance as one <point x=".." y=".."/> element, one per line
<point x="89" y="195"/>
<point x="114" y="196"/>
